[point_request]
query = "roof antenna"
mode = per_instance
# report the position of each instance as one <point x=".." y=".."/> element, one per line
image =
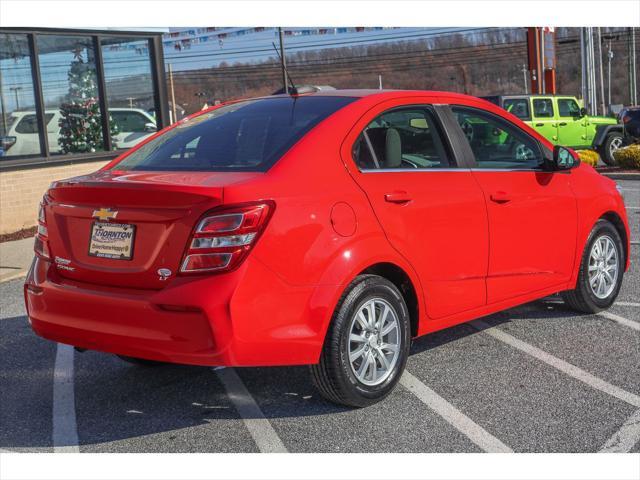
<point x="285" y="72"/>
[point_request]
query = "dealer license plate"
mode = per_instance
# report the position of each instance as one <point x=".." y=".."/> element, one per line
<point x="112" y="240"/>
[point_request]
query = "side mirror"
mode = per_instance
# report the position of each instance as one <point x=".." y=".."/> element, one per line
<point x="564" y="158"/>
<point x="150" y="127"/>
<point x="583" y="112"/>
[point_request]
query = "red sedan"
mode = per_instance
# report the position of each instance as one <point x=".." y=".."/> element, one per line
<point x="325" y="229"/>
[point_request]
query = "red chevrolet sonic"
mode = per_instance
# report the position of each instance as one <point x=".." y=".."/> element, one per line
<point x="326" y="229"/>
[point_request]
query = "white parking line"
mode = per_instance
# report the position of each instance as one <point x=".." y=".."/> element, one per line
<point x="626" y="437"/>
<point x="453" y="416"/>
<point x="259" y="427"/>
<point x="628" y="304"/>
<point x="65" y="431"/>
<point x="621" y="320"/>
<point x="564" y="367"/>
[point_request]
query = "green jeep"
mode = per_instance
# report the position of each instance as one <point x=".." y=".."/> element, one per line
<point x="562" y="121"/>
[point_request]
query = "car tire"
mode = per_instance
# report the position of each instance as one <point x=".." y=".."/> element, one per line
<point x="585" y="298"/>
<point x="611" y="143"/>
<point x="142" y="362"/>
<point x="348" y="371"/>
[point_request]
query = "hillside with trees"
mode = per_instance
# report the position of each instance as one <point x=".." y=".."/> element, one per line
<point x="486" y="63"/>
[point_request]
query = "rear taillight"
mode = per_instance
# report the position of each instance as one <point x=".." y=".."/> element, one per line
<point x="223" y="238"/>
<point x="7" y="142"/>
<point x="626" y="119"/>
<point x="41" y="245"/>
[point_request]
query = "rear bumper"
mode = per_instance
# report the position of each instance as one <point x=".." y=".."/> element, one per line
<point x="248" y="317"/>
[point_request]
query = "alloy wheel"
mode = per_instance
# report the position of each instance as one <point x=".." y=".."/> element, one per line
<point x="603" y="267"/>
<point x="374" y="341"/>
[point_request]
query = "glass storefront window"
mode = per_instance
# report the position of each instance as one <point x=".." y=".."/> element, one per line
<point x="18" y="122"/>
<point x="70" y="93"/>
<point x="129" y="88"/>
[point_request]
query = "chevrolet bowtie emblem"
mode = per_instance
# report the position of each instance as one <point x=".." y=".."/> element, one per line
<point x="104" y="214"/>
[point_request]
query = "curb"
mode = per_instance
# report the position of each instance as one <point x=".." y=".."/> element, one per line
<point x="622" y="176"/>
<point x="13" y="276"/>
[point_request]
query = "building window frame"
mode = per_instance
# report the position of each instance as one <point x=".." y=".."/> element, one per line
<point x="45" y="159"/>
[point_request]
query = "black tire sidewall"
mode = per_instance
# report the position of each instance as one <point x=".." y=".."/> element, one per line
<point x="370" y="287"/>
<point x="606" y="155"/>
<point x="603" y="227"/>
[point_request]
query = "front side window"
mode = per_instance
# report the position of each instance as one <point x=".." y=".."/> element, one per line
<point x="495" y="142"/>
<point x="245" y="136"/>
<point x="568" y="107"/>
<point x="405" y="138"/>
<point x="543" y="108"/>
<point x="518" y="107"/>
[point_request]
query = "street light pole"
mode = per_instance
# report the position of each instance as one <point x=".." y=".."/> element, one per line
<point x="609" y="57"/>
<point x="601" y="71"/>
<point x="15" y="91"/>
<point x="524" y="76"/>
<point x="283" y="62"/>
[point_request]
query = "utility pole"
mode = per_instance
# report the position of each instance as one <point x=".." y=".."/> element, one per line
<point x="524" y="76"/>
<point x="543" y="85"/>
<point x="609" y="57"/>
<point x="3" y="108"/>
<point x="283" y="62"/>
<point x="633" y="74"/>
<point x="15" y="90"/>
<point x="379" y="82"/>
<point x="174" y="118"/>
<point x="604" y="110"/>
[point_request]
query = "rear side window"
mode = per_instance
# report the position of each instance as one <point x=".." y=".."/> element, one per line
<point x="543" y="107"/>
<point x="129" y="121"/>
<point x="245" y="136"/>
<point x="518" y="107"/>
<point x="401" y="139"/>
<point x="29" y="123"/>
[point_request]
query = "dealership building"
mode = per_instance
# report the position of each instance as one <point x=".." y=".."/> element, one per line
<point x="70" y="101"/>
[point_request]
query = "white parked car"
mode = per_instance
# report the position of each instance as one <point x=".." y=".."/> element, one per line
<point x="134" y="125"/>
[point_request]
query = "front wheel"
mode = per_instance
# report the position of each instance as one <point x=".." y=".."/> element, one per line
<point x="601" y="271"/>
<point x="612" y="143"/>
<point x="367" y="344"/>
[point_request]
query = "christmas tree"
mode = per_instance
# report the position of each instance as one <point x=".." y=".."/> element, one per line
<point x="81" y="125"/>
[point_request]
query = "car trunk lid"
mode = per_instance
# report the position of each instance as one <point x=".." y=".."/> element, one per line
<point x="128" y="229"/>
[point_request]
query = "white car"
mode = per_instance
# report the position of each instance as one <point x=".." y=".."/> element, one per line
<point x="134" y="125"/>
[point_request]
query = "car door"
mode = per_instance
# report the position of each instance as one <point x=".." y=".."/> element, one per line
<point x="572" y="130"/>
<point x="544" y="118"/>
<point x="532" y="212"/>
<point x="432" y="212"/>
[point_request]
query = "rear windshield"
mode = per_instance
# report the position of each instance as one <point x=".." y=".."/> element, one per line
<point x="246" y="136"/>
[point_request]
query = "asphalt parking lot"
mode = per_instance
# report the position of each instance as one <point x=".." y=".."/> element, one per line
<point x="537" y="378"/>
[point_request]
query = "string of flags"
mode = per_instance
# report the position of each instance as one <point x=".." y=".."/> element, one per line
<point x="196" y="36"/>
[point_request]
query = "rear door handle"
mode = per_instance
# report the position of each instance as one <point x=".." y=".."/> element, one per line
<point x="563" y="124"/>
<point x="500" y="197"/>
<point x="539" y="124"/>
<point x="397" y="197"/>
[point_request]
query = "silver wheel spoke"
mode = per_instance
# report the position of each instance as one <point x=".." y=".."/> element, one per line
<point x="371" y="359"/>
<point x="356" y="354"/>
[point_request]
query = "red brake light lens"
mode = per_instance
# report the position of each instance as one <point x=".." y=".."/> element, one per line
<point x="222" y="239"/>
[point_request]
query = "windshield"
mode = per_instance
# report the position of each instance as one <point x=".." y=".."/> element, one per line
<point x="245" y="136"/>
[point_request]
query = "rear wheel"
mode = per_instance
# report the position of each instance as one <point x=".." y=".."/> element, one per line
<point x="367" y="344"/>
<point x="612" y="143"/>
<point x="601" y="271"/>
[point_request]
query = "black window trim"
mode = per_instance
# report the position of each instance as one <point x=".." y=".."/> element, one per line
<point x="445" y="137"/>
<point x="470" y="158"/>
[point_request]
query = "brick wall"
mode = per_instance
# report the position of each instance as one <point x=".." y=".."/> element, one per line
<point x="22" y="190"/>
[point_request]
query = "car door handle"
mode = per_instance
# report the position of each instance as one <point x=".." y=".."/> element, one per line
<point x="397" y="197"/>
<point x="539" y="124"/>
<point x="500" y="197"/>
<point x="563" y="124"/>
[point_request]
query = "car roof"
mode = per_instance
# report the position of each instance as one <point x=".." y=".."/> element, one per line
<point x="373" y="93"/>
